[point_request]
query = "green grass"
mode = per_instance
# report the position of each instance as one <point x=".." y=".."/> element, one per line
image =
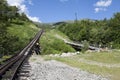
<point x="113" y="73"/>
<point x="56" y="33"/>
<point x="104" y="57"/>
<point x="4" y="58"/>
<point x="53" y="45"/>
<point x="25" y="32"/>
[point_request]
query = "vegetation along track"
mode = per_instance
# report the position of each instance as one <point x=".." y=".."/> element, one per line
<point x="10" y="68"/>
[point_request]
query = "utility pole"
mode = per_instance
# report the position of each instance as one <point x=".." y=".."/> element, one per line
<point x="76" y="18"/>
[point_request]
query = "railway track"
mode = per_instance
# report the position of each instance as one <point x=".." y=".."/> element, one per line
<point x="9" y="70"/>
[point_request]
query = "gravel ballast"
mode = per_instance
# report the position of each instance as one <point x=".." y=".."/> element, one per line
<point x="54" y="70"/>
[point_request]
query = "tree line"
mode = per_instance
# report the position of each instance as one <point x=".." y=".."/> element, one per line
<point x="9" y="15"/>
<point x="103" y="33"/>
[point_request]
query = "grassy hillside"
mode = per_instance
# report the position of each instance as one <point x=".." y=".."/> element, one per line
<point x="25" y="32"/>
<point x="16" y="29"/>
<point x="52" y="42"/>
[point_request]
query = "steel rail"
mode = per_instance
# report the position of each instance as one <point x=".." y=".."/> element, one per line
<point x="26" y="54"/>
<point x="20" y="57"/>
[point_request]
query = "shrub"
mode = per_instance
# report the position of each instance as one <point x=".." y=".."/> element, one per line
<point x="85" y="46"/>
<point x="50" y="44"/>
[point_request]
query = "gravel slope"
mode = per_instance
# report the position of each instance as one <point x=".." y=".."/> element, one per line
<point x="54" y="70"/>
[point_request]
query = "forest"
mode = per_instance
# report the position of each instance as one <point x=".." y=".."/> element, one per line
<point x="103" y="33"/>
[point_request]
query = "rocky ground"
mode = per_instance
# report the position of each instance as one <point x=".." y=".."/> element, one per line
<point x="54" y="70"/>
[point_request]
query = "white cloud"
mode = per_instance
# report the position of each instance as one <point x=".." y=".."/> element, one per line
<point x="35" y="19"/>
<point x="18" y="3"/>
<point x="102" y="5"/>
<point x="21" y="5"/>
<point x="23" y="8"/>
<point x="30" y="2"/>
<point x="99" y="9"/>
<point x="15" y="2"/>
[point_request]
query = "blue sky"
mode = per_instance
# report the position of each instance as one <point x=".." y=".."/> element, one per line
<point x="60" y="10"/>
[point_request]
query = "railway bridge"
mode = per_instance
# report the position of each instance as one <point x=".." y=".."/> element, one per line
<point x="78" y="46"/>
